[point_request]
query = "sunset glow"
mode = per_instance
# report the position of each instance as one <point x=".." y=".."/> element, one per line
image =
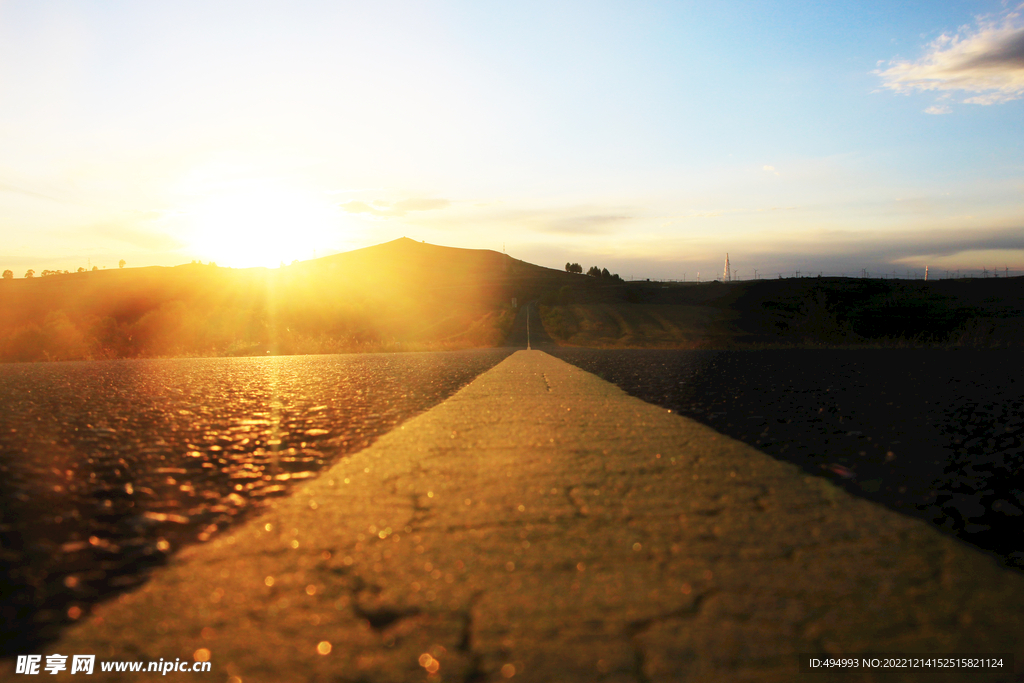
<point x="651" y="139"/>
<point x="263" y="225"/>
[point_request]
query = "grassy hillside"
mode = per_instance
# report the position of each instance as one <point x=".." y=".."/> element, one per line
<point x="793" y="311"/>
<point x="407" y="295"/>
<point x="399" y="295"/>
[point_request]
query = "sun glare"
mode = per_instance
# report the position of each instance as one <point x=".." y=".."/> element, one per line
<point x="264" y="226"/>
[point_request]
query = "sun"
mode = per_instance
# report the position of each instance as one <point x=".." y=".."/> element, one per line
<point x="264" y="224"/>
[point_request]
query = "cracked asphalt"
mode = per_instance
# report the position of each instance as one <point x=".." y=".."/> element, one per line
<point x="108" y="467"/>
<point x="542" y="525"/>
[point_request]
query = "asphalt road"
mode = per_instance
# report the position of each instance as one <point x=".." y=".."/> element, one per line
<point x="541" y="525"/>
<point x="932" y="434"/>
<point x="107" y="468"/>
<point x="534" y="333"/>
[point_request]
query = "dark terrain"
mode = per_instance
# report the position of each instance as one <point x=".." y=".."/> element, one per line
<point x="806" y="311"/>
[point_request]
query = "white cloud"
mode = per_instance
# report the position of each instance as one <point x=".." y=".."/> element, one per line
<point x="987" y="59"/>
<point x="421" y="204"/>
<point x="398" y="209"/>
<point x="770" y="169"/>
<point x="938" y="109"/>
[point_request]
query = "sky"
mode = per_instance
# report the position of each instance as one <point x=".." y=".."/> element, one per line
<point x="650" y="138"/>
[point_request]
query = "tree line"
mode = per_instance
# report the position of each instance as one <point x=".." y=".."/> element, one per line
<point x="600" y="273"/>
<point x="30" y="273"/>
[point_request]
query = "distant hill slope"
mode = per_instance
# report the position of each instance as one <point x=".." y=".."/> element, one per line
<point x="399" y="295"/>
<point x="408" y="295"/>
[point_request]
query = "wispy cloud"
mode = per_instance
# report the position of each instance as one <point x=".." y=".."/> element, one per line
<point x="385" y="209"/>
<point x="938" y="109"/>
<point x="137" y="237"/>
<point x="987" y="59"/>
<point x="4" y="187"/>
<point x="421" y="204"/>
<point x="360" y="207"/>
<point x="770" y="169"/>
<point x="590" y="224"/>
<point x="832" y="247"/>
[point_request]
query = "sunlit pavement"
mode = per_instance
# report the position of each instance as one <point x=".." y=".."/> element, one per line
<point x="541" y="525"/>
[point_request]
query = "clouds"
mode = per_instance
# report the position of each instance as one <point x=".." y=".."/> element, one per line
<point x="486" y="216"/>
<point x="385" y="209"/>
<point x="829" y="251"/>
<point x="421" y="204"/>
<point x="588" y="224"/>
<point x="138" y="237"/>
<point x="359" y="207"/>
<point x="987" y="59"/>
<point x="837" y="250"/>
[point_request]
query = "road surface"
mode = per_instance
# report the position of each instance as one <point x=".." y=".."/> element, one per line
<point x="542" y="525"/>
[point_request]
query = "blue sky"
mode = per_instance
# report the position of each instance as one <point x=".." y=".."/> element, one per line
<point x="649" y="138"/>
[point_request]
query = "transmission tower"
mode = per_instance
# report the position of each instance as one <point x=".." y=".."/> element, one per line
<point x="726" y="276"/>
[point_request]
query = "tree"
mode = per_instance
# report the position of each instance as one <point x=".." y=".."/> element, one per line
<point x="8" y="275"/>
<point x="95" y="267"/>
<point x="81" y="269"/>
<point x="120" y="264"/>
<point x="594" y="271"/>
<point x="30" y="273"/>
<point x="568" y="267"/>
<point x="605" y="273"/>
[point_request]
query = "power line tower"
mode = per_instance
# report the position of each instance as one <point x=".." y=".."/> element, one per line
<point x="726" y="276"/>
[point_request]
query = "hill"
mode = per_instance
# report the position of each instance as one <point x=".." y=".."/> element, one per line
<point x="408" y="295"/>
<point x="399" y="295"/>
